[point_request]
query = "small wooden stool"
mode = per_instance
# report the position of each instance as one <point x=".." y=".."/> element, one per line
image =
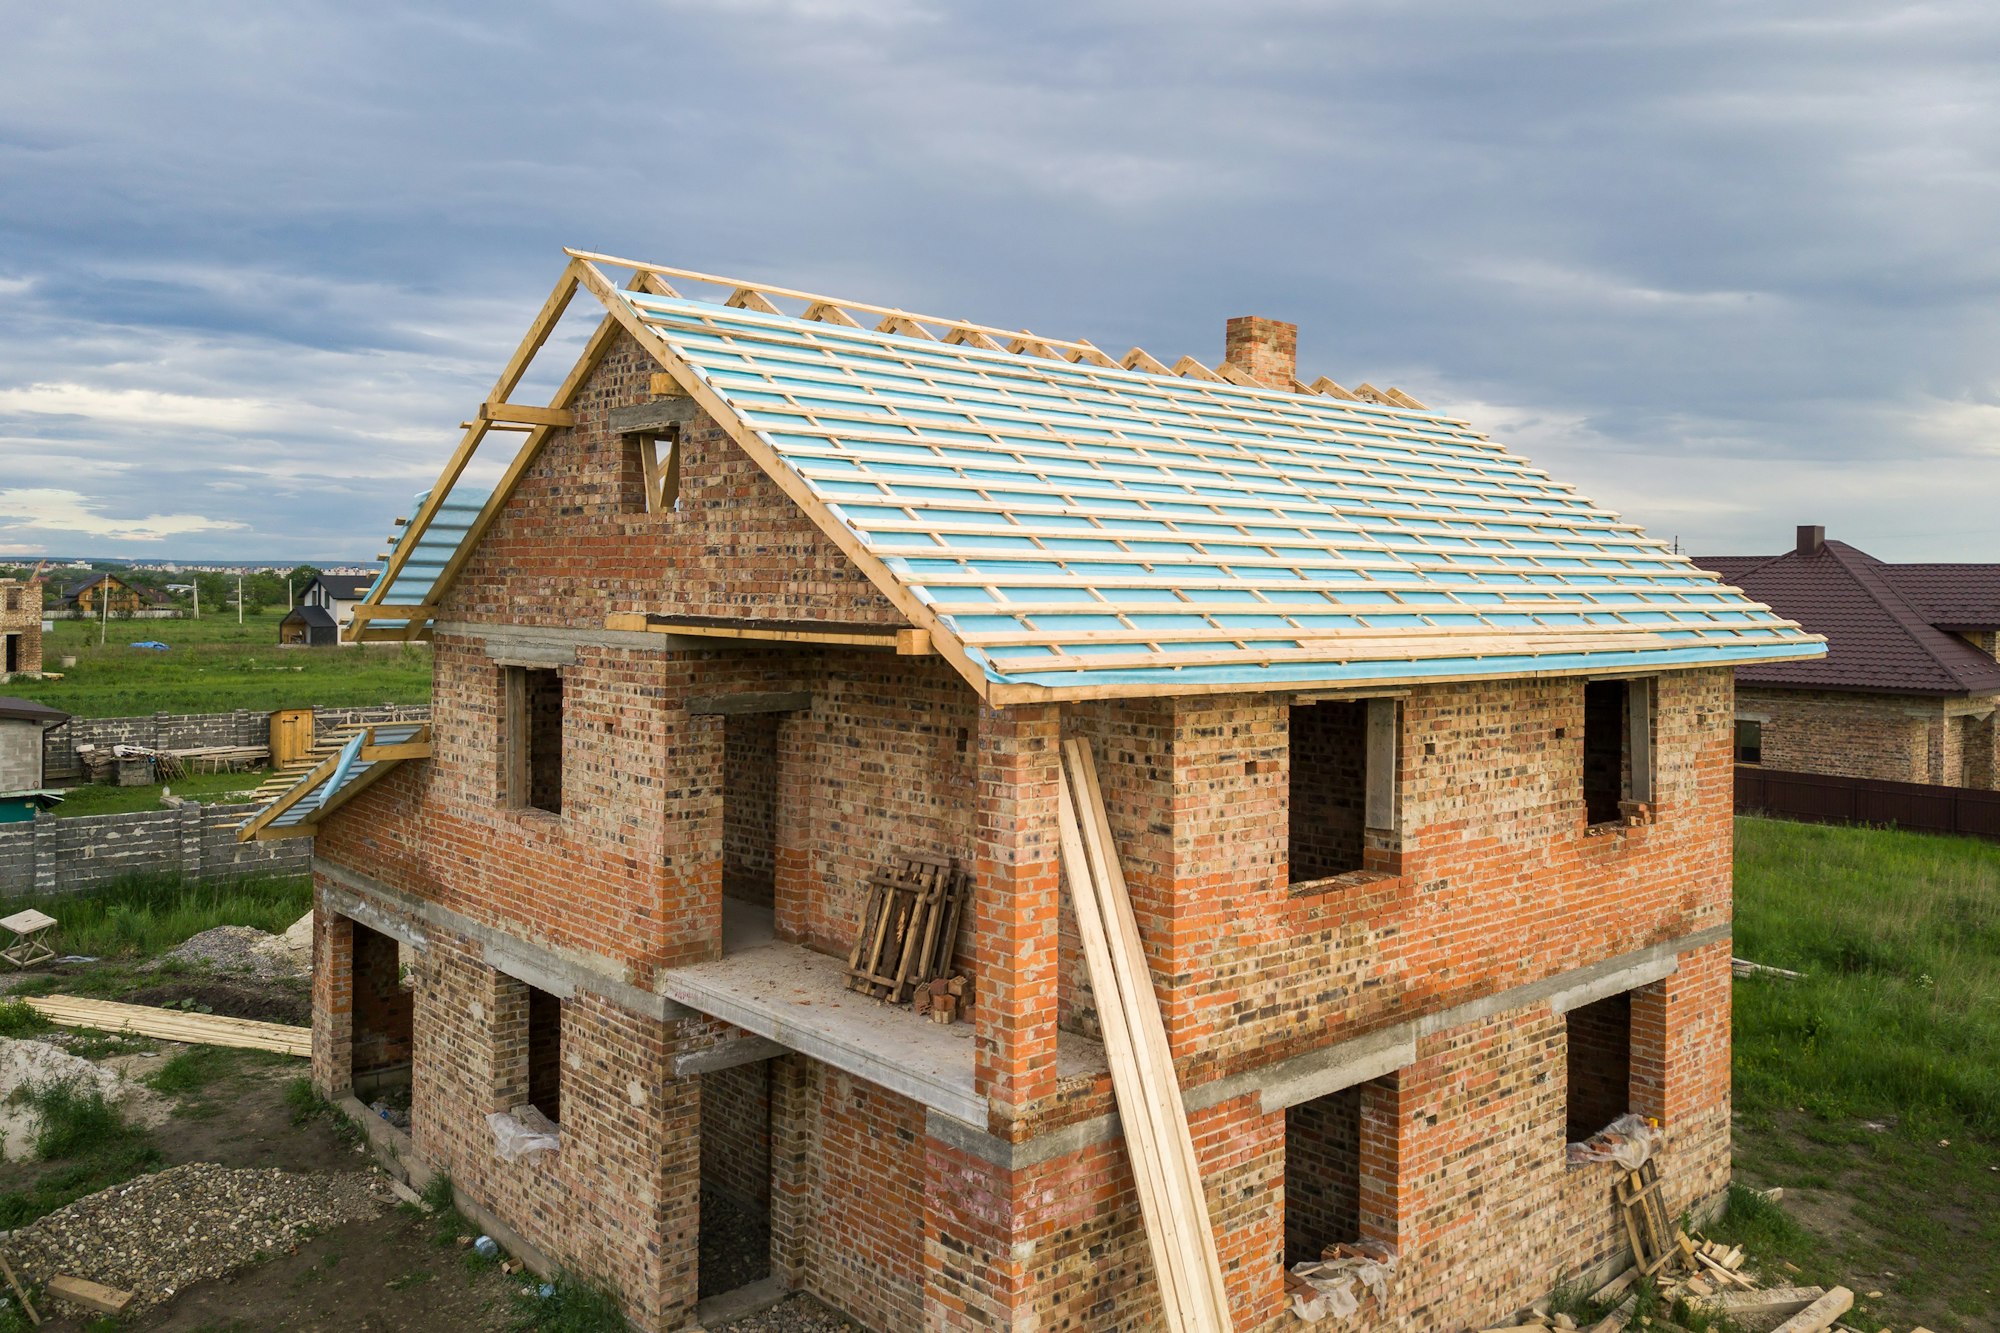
<point x="29" y="929"/>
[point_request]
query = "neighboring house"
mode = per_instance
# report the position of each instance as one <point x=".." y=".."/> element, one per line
<point x="22" y="722"/>
<point x="108" y="592"/>
<point x="336" y="594"/>
<point x="1417" y="764"/>
<point x="1908" y="687"/>
<point x="310" y="627"/>
<point x="20" y="628"/>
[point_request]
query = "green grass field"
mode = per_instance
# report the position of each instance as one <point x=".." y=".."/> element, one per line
<point x="214" y="665"/>
<point x="135" y="918"/>
<point x="1871" y="1090"/>
<point x="208" y="788"/>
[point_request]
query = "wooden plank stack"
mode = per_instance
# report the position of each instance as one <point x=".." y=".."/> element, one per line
<point x="1142" y="1068"/>
<point x="909" y="928"/>
<point x="172" y="1025"/>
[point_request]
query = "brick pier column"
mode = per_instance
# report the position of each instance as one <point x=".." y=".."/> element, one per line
<point x="1014" y="917"/>
<point x="333" y="1003"/>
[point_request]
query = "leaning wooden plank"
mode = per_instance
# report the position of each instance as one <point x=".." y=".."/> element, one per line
<point x="90" y="1295"/>
<point x="1159" y="1090"/>
<point x="1820" y="1314"/>
<point x="1779" y="1301"/>
<point x="197" y="1029"/>
<point x="1163" y="1234"/>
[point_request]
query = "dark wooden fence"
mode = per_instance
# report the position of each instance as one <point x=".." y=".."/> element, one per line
<point x="1822" y="799"/>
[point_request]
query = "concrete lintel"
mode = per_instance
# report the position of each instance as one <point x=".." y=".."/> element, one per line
<point x="993" y="1149"/>
<point x="531" y="654"/>
<point x="727" y="1054"/>
<point x="750" y="701"/>
<point x="562" y="972"/>
<point x="1325" y="1071"/>
<point x="659" y="415"/>
<point x="497" y="639"/>
<point x="1642" y="973"/>
<point x="359" y="909"/>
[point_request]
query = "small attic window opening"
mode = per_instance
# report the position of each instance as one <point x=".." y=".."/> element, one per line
<point x="656" y="462"/>
<point x="534" y="738"/>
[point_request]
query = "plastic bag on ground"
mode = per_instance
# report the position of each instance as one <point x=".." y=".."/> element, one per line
<point x="1336" y="1284"/>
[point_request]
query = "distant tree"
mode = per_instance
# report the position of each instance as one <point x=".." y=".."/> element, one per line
<point x="300" y="576"/>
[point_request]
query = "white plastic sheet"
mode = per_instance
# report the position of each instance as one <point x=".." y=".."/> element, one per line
<point x="523" y="1130"/>
<point x="1337" y="1284"/>
<point x="1629" y="1141"/>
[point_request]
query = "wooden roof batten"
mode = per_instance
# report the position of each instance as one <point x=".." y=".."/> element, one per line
<point x="820" y="308"/>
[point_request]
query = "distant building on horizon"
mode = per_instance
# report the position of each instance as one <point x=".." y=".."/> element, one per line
<point x="1908" y="689"/>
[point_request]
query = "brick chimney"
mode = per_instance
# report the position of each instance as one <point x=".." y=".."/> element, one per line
<point x="1267" y="350"/>
<point x="1812" y="540"/>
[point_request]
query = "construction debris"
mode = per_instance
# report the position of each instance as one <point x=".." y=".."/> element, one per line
<point x="1743" y="967"/>
<point x="90" y="1295"/>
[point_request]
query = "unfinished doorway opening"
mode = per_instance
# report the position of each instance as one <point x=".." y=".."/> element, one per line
<point x="1322" y="1175"/>
<point x="1600" y="1064"/>
<point x="735" y="1239"/>
<point x="750" y="807"/>
<point x="384" y="1021"/>
<point x="13" y="654"/>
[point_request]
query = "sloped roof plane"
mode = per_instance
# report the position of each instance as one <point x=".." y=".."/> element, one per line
<point x="1067" y="527"/>
<point x="1887" y="626"/>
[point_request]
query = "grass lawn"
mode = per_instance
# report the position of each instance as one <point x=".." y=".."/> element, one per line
<point x="214" y="665"/>
<point x="208" y="788"/>
<point x="136" y="918"/>
<point x="1871" y="1090"/>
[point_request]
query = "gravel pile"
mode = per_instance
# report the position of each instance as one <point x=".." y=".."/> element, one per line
<point x="157" y="1234"/>
<point x="25" y="1063"/>
<point x="241" y="949"/>
<point x="794" y="1314"/>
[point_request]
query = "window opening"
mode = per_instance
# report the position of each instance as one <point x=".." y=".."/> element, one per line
<point x="535" y="701"/>
<point x="1342" y="787"/>
<point x="545" y="1053"/>
<point x="658" y="456"/>
<point x="1600" y="1064"/>
<point x="1749" y="742"/>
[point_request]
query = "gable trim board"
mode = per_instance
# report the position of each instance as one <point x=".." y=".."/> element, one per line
<point x="1068" y="528"/>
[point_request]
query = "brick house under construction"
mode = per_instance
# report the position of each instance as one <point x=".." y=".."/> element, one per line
<point x="1417" y="767"/>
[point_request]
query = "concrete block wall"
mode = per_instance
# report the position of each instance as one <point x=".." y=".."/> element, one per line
<point x="55" y="856"/>
<point x="185" y="731"/>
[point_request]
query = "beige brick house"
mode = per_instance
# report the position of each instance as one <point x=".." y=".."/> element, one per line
<point x="1416" y="766"/>
<point x="1908" y="688"/>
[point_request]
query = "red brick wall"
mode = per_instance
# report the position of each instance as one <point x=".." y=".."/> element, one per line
<point x="575" y="544"/>
<point x="750" y="806"/>
<point x="864" y="1237"/>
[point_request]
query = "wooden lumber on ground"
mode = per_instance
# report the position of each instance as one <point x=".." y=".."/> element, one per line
<point x="1780" y="1301"/>
<point x="90" y="1295"/>
<point x="172" y="1025"/>
<point x="1820" y="1314"/>
<point x="1142" y="1071"/>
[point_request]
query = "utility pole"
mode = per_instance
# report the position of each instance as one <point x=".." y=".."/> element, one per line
<point x="289" y="608"/>
<point x="103" y="614"/>
<point x="239" y="599"/>
<point x="197" y="594"/>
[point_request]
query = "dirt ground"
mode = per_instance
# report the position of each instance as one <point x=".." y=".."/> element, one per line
<point x="379" y="1274"/>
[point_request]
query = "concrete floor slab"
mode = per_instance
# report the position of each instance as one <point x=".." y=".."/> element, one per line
<point x="799" y="999"/>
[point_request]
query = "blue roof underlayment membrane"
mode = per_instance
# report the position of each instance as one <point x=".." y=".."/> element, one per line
<point x="350" y="768"/>
<point x="434" y="550"/>
<point x="1078" y="526"/>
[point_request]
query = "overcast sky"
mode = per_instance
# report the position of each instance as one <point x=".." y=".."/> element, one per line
<point x="1727" y="267"/>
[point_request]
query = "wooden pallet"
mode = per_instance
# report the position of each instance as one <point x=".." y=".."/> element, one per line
<point x="1647" y="1225"/>
<point x="909" y="928"/>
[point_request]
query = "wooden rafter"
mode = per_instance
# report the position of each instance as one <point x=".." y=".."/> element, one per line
<point x="790" y="482"/>
<point x="833" y="310"/>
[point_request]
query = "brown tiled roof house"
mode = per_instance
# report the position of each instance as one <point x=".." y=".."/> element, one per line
<point x="1908" y="687"/>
